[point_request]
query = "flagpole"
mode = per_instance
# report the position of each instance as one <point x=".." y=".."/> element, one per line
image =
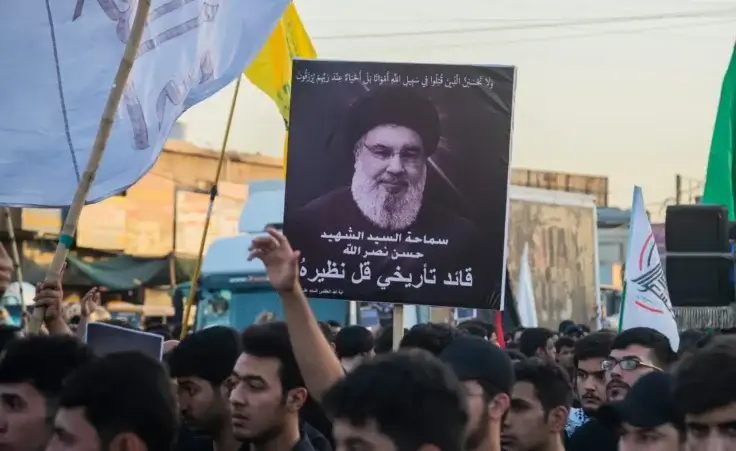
<point x="207" y="220"/>
<point x="16" y="258"/>
<point x="66" y="238"/>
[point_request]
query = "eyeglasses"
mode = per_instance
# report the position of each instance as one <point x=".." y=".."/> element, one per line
<point x="626" y="364"/>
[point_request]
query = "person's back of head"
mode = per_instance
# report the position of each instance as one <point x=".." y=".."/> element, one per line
<point x="536" y="341"/>
<point x="564" y="324"/>
<point x="327" y="331"/>
<point x="474" y="330"/>
<point x="689" y="340"/>
<point x="704" y="391"/>
<point x="353" y="341"/>
<point x="658" y="344"/>
<point x="396" y="398"/>
<point x="472" y="326"/>
<point x="432" y="337"/>
<point x="121" y="401"/>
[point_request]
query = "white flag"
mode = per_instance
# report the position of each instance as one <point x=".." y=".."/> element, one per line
<point x="525" y="292"/>
<point x="646" y="300"/>
<point x="59" y="59"/>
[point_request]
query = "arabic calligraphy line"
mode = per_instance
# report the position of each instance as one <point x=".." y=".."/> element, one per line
<point x="395" y="78"/>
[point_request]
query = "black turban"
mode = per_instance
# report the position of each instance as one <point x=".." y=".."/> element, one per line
<point x="398" y="106"/>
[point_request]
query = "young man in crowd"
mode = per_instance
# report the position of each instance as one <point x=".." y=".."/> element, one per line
<point x="202" y="364"/>
<point x="540" y="403"/>
<point x="404" y="401"/>
<point x="634" y="353"/>
<point x="487" y="375"/>
<point x="120" y="402"/>
<point x="353" y="344"/>
<point x="318" y="364"/>
<point x="31" y="375"/>
<point x="705" y="392"/>
<point x="268" y="393"/>
<point x="564" y="347"/>
<point x="590" y="379"/>
<point x="538" y="342"/>
<point x="646" y="419"/>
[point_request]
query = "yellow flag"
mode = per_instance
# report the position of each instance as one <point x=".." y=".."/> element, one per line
<point x="270" y="71"/>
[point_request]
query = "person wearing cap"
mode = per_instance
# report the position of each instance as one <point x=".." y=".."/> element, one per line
<point x="647" y="418"/>
<point x="487" y="374"/>
<point x="391" y="132"/>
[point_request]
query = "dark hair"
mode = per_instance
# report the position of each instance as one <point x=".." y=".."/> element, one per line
<point x="705" y="380"/>
<point x="474" y="330"/>
<point x="594" y="346"/>
<point x="352" y="341"/>
<point x="432" y="337"/>
<point x="689" y="340"/>
<point x="326" y="331"/>
<point x="403" y="393"/>
<point x="43" y="361"/>
<point x="125" y="392"/>
<point x="564" y="342"/>
<point x="208" y="354"/>
<point x="384" y="340"/>
<point x="654" y="340"/>
<point x="333" y="323"/>
<point x="472" y="326"/>
<point x="533" y="339"/>
<point x="551" y="382"/>
<point x="564" y="324"/>
<point x="271" y="340"/>
<point x="515" y="354"/>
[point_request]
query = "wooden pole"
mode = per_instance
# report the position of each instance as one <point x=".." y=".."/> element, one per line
<point x="16" y="258"/>
<point x="213" y="193"/>
<point x="98" y="149"/>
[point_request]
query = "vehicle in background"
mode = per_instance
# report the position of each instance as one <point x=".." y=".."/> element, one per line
<point x="233" y="291"/>
<point x="137" y="315"/>
<point x="561" y="231"/>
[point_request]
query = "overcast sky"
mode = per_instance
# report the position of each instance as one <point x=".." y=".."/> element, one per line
<point x="624" y="88"/>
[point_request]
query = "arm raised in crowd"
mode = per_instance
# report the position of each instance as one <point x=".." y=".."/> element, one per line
<point x="317" y="361"/>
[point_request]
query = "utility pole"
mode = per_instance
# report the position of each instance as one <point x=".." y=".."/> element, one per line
<point x="678" y="189"/>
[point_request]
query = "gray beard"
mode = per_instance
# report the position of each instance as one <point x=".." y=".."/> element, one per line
<point x="384" y="209"/>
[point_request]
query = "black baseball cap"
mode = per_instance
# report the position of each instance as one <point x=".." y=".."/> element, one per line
<point x="648" y="404"/>
<point x="476" y="359"/>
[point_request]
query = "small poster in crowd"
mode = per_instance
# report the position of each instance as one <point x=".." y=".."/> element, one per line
<point x="397" y="181"/>
<point x="105" y="339"/>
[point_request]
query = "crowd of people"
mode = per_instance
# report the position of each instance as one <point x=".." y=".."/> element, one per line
<point x="304" y="385"/>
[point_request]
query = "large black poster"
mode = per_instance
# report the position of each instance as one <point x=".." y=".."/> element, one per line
<point x="397" y="180"/>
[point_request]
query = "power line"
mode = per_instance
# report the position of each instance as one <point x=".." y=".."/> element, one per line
<point x="537" y="25"/>
<point x="579" y="35"/>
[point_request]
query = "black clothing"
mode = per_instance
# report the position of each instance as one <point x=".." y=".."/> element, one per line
<point x="310" y="227"/>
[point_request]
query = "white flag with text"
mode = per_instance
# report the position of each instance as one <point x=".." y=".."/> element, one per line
<point x="646" y="300"/>
<point x="59" y="59"/>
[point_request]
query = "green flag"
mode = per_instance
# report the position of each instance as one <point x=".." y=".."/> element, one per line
<point x="720" y="183"/>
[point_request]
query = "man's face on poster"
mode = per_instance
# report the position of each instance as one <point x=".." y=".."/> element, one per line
<point x="390" y="174"/>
